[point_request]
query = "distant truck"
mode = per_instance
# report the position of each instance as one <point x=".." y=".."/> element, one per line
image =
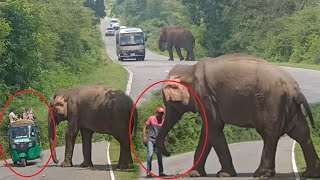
<point x="130" y="44"/>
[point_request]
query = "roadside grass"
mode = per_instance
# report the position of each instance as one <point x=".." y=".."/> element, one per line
<point x="315" y="138"/>
<point x="114" y="151"/>
<point x="287" y="64"/>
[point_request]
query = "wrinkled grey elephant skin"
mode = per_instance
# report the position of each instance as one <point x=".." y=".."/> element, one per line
<point x="245" y="91"/>
<point x="89" y="109"/>
<point x="178" y="38"/>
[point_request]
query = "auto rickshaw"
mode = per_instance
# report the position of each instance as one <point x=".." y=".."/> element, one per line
<point x="24" y="144"/>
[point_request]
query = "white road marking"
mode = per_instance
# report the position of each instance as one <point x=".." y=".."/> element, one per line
<point x="128" y="90"/>
<point x="294" y="165"/>
<point x="109" y="163"/>
<point x="129" y="85"/>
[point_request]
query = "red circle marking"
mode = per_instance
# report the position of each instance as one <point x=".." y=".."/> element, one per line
<point x="54" y="126"/>
<point x="206" y="124"/>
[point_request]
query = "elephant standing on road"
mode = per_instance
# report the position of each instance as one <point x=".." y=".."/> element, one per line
<point x="245" y="91"/>
<point x="179" y="38"/>
<point x="93" y="108"/>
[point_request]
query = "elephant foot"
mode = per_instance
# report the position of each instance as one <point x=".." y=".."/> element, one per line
<point x="66" y="164"/>
<point x="311" y="174"/>
<point x="223" y="173"/>
<point x="125" y="166"/>
<point x="314" y="173"/>
<point x="197" y="173"/>
<point x="262" y="172"/>
<point x="86" y="164"/>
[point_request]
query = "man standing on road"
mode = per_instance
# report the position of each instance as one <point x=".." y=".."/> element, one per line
<point x="153" y="125"/>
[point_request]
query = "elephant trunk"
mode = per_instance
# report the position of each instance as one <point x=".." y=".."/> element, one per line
<point x="51" y="139"/>
<point x="171" y="119"/>
<point x="161" y="46"/>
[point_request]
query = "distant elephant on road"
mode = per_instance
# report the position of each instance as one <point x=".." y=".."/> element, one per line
<point x="245" y="91"/>
<point x="93" y="108"/>
<point x="179" y="38"/>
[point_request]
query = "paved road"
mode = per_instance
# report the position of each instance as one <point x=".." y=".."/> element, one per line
<point x="100" y="171"/>
<point x="246" y="155"/>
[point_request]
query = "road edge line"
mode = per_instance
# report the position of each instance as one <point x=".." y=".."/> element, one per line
<point x="129" y="84"/>
<point x="294" y="164"/>
<point x="109" y="162"/>
<point x="128" y="90"/>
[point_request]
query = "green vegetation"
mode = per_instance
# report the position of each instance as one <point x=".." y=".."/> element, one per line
<point x="315" y="138"/>
<point x="114" y="157"/>
<point x="46" y="46"/>
<point x="280" y="31"/>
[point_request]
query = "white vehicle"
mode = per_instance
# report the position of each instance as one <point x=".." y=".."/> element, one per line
<point x="116" y="26"/>
<point x="130" y="44"/>
<point x="113" y="20"/>
<point x="109" y="31"/>
<point x="123" y="27"/>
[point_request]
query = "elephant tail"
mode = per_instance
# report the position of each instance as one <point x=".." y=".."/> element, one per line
<point x="134" y="124"/>
<point x="301" y="99"/>
<point x="194" y="42"/>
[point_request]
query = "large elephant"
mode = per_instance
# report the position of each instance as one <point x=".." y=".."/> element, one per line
<point x="93" y="108"/>
<point x="179" y="38"/>
<point x="245" y="91"/>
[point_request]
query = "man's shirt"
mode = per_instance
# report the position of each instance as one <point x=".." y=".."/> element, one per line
<point x="153" y="128"/>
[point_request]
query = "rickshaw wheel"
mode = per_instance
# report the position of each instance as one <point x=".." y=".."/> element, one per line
<point x="24" y="162"/>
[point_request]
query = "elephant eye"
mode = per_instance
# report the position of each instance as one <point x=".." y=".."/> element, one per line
<point x="59" y="104"/>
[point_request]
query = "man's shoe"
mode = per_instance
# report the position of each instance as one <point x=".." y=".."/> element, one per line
<point x="162" y="174"/>
<point x="149" y="176"/>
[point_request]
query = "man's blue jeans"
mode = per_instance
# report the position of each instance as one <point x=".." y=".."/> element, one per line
<point x="152" y="148"/>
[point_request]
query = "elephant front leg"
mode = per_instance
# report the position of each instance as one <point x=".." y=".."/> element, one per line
<point x="199" y="169"/>
<point x="169" y="47"/>
<point x="86" y="147"/>
<point x="220" y="145"/>
<point x="71" y="135"/>
<point x="179" y="53"/>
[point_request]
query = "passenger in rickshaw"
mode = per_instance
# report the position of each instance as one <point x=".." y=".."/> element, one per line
<point x="13" y="116"/>
<point x="28" y="114"/>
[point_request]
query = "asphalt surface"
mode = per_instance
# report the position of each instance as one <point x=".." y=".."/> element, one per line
<point x="246" y="155"/>
<point x="53" y="171"/>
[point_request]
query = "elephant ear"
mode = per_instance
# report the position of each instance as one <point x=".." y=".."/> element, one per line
<point x="60" y="105"/>
<point x="163" y="33"/>
<point x="176" y="92"/>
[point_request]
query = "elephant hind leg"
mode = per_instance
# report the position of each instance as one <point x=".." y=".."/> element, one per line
<point x="301" y="133"/>
<point x="267" y="164"/>
<point x="86" y="147"/>
<point x="179" y="53"/>
<point x="125" y="159"/>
